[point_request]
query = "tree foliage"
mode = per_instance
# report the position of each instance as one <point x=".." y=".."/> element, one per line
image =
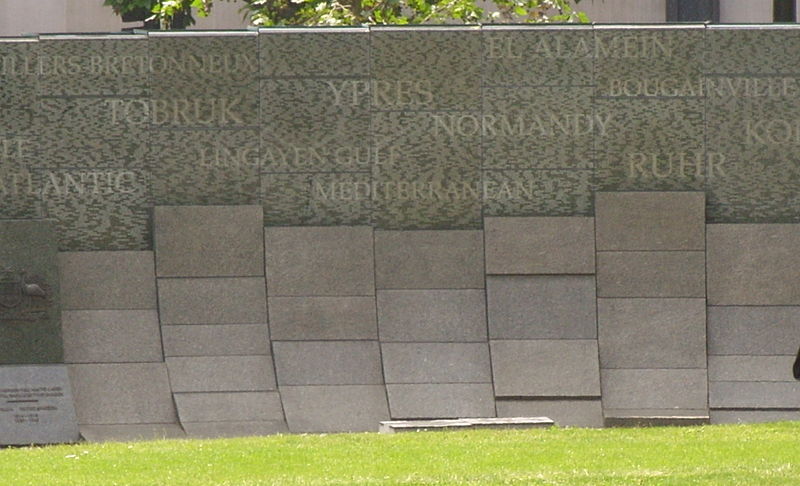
<point x="362" y="12"/>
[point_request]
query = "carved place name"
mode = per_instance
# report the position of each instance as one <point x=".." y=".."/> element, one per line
<point x="549" y="125"/>
<point x="423" y="191"/>
<point x="392" y="93"/>
<point x="179" y="111"/>
<point x="621" y="47"/>
<point x="736" y="87"/>
<point x="131" y="65"/>
<point x="222" y="157"/>
<point x="772" y="132"/>
<point x="13" y="148"/>
<point x="674" y="165"/>
<point x="74" y="184"/>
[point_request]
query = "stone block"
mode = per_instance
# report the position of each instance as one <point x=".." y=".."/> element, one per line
<point x="229" y="407"/>
<point x="652" y="333"/>
<point x="753" y="416"/>
<point x="322" y="318"/>
<point x="436" y="362"/>
<point x="196" y="241"/>
<point x="353" y="408"/>
<point x="654" y="419"/>
<point x="328" y="362"/>
<point x="212" y="300"/>
<point x="37" y="406"/>
<point x="657" y="390"/>
<point x="538" y="192"/>
<point x="552" y="368"/>
<point x="132" y="393"/>
<point x="111" y="336"/>
<point x="106" y="280"/>
<point x="754" y="395"/>
<point x="753" y="264"/>
<point x="745" y="330"/>
<point x="452" y="400"/>
<point x="315" y="52"/>
<point x="539" y="245"/>
<point x="751" y="368"/>
<point x="541" y="307"/>
<point x="569" y="413"/>
<point x="650" y="221"/>
<point x="30" y="303"/>
<point x="651" y="274"/>
<point x="319" y="261"/>
<point x="221" y="374"/>
<point x="213" y="430"/>
<point x="429" y="259"/>
<point x="432" y="315"/>
<point x="131" y="432"/>
<point x="216" y="340"/>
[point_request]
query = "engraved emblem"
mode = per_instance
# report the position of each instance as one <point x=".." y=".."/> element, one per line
<point x="23" y="297"/>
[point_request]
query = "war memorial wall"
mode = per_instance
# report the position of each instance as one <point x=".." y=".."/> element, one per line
<point x="313" y="230"/>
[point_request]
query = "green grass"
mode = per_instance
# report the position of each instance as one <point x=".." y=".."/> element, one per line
<point x="766" y="454"/>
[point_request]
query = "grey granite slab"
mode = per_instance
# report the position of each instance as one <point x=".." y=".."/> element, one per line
<point x="541" y="307"/>
<point x="131" y="432"/>
<point x="565" y="413"/>
<point x="352" y="408"/>
<point x="30" y="303"/>
<point x="105" y="280"/>
<point x="650" y="221"/>
<point x="436" y="362"/>
<point x="111" y="336"/>
<point x="651" y="274"/>
<point x="753" y="264"/>
<point x="216" y="340"/>
<point x="539" y="245"/>
<point x="321" y="318"/>
<point x="429" y="259"/>
<point x="212" y="300"/>
<point x="546" y="368"/>
<point x="229" y="407"/>
<point x="751" y="368"/>
<point x="652" y="333"/>
<point x="753" y="330"/>
<point x="752" y="416"/>
<point x="328" y="362"/>
<point x="459" y="400"/>
<point x="655" y="389"/>
<point x="319" y="261"/>
<point x="538" y="56"/>
<point x="119" y="394"/>
<point x="220" y="373"/>
<point x="754" y="394"/>
<point x="195" y="241"/>
<point x="37" y="406"/>
<point x="432" y="315"/>
<point x="214" y="430"/>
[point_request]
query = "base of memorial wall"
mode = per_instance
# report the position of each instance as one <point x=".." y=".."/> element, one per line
<point x="229" y="328"/>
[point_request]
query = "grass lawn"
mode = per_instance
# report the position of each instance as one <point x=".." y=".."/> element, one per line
<point x="765" y="454"/>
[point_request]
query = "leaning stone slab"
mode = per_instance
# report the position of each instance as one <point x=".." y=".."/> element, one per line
<point x="395" y="426"/>
<point x="36" y="406"/>
<point x="656" y="421"/>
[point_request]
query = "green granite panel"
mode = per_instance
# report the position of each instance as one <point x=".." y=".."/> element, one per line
<point x="649" y="62"/>
<point x="314" y="52"/>
<point x="520" y="131"/>
<point x="205" y="167"/>
<point x="538" y="56"/>
<point x="433" y="182"/>
<point x="201" y="80"/>
<point x="30" y="312"/>
<point x="433" y="68"/>
<point x="286" y="199"/>
<point x="18" y="84"/>
<point x="315" y="125"/>
<point x="538" y="193"/>
<point x="651" y="145"/>
<point x="94" y="66"/>
<point x="93" y="133"/>
<point x="754" y="50"/>
<point x="20" y="193"/>
<point x="99" y="209"/>
<point x="341" y="199"/>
